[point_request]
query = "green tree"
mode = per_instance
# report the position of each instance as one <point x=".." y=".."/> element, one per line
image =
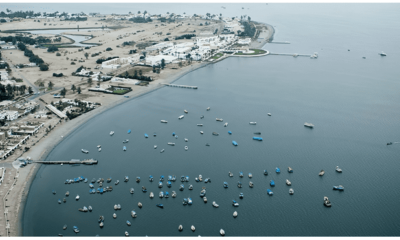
<point x="30" y="90"/>
<point x="86" y="55"/>
<point x="41" y="84"/>
<point x="180" y="64"/>
<point x="135" y="74"/>
<point x="89" y="81"/>
<point x="43" y="67"/>
<point x="138" y="12"/>
<point x="73" y="88"/>
<point x="154" y="69"/>
<point x="79" y="90"/>
<point x="50" y="85"/>
<point x="63" y="92"/>
<point x="140" y="72"/>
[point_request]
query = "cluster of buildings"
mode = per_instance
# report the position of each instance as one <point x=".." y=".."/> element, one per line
<point x="11" y="111"/>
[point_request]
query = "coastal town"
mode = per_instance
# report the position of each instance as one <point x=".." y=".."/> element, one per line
<point x="61" y="69"/>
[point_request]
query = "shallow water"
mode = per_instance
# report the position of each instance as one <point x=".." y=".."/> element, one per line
<point x="353" y="103"/>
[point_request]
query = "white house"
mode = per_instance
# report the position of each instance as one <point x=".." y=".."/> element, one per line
<point x="9" y="115"/>
<point x="245" y="41"/>
<point x="156" y="60"/>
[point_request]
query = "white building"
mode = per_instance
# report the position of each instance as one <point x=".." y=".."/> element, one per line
<point x="159" y="46"/>
<point x="118" y="62"/>
<point x="9" y="115"/>
<point x="245" y="41"/>
<point x="156" y="60"/>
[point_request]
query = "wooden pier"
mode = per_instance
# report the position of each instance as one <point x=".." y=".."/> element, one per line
<point x="72" y="161"/>
<point x="180" y="86"/>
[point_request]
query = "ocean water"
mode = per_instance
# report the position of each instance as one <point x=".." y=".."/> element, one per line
<point x="353" y="102"/>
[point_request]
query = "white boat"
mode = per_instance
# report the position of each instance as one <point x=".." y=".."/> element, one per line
<point x="162" y="150"/>
<point x="321" y="173"/>
<point x="315" y="55"/>
<point x="185" y="111"/>
<point x="186" y="139"/>
<point x="200" y="125"/>
<point x="85" y="151"/>
<point x="186" y="148"/>
<point x="226" y="124"/>
<point x="205" y="199"/>
<point x="309" y="125"/>
<point x="288" y="182"/>
<point x="111" y="133"/>
<point x="201" y="132"/>
<point x="133" y="214"/>
<point x="382" y="54"/>
<point x="171" y="144"/>
<point x="222" y="232"/>
<point x="90" y="208"/>
<point x="180" y="228"/>
<point x="77" y="197"/>
<point x="219" y="119"/>
<point x="253" y="123"/>
<point x="338" y="169"/>
<point x="155" y="146"/>
<point x="164" y="121"/>
<point x="208" y="109"/>
<point x="98" y="146"/>
<point x="140" y="205"/>
<point x="101" y="224"/>
<point x="235" y="214"/>
<point x="193" y="228"/>
<point x="181" y="116"/>
<point x="291" y="191"/>
<point x="114" y="215"/>
<point x="126" y="234"/>
<point x="215" y="204"/>
<point x="269" y="114"/>
<point x="151" y="194"/>
<point x="99" y="149"/>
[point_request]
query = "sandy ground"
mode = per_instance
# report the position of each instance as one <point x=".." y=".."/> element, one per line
<point x="24" y="176"/>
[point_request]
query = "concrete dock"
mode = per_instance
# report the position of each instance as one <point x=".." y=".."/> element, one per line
<point x="180" y="86"/>
<point x="72" y="161"/>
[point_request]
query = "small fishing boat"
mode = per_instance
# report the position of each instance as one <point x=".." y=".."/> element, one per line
<point x="219" y="119"/>
<point x="202" y="193"/>
<point x="129" y="131"/>
<point x="93" y="180"/>
<point x="151" y="178"/>
<point x="160" y="185"/>
<point x="251" y="184"/>
<point x="140" y="205"/>
<point x="101" y="224"/>
<point x="235" y="204"/>
<point x="289" y="183"/>
<point x="160" y="205"/>
<point x="132" y="191"/>
<point x="190" y="187"/>
<point x="182" y="178"/>
<point x="171" y="143"/>
<point x="250" y="175"/>
<point x="241" y="174"/>
<point x="186" y="148"/>
<point x="208" y="109"/>
<point x="90" y="208"/>
<point x="382" y="54"/>
<point x="125" y="141"/>
<point x="222" y="232"/>
<point x="215" y="133"/>
<point x="200" y="125"/>
<point x="99" y="149"/>
<point x="253" y="123"/>
<point x="173" y="194"/>
<point x="269" y="192"/>
<point x="101" y="218"/>
<point x="230" y="133"/>
<point x="185" y="111"/>
<point x="187" y="178"/>
<point x="389" y="143"/>
<point x="190" y="201"/>
<point x="201" y="132"/>
<point x="65" y="227"/>
<point x="235" y="214"/>
<point x="309" y="125"/>
<point x="327" y="203"/>
<point x="76" y="229"/>
<point x="117" y="182"/>
<point x="64" y="200"/>
<point x="340" y="188"/>
<point x="114" y="215"/>
<point x="202" y="116"/>
<point x="161" y="194"/>
<point x="230" y="174"/>
<point x="164" y="121"/>
<point x="126" y="179"/>
<point x="162" y="178"/>
<point x="59" y="201"/>
<point x="241" y="195"/>
<point x="154" y="135"/>
<point x="138" y="179"/>
<point x="67" y="193"/>
<point x="321" y="173"/>
<point x="239" y="184"/>
<point x="225" y="185"/>
<point x="173" y="178"/>
<point x="226" y="124"/>
<point x="145" y="135"/>
<point x="180" y="117"/>
<point x="205" y="199"/>
<point x="144" y="189"/>
<point x="277" y="170"/>
<point x="111" y="133"/>
<point x="151" y="194"/>
<point x="200" y="178"/>
<point x="291" y="191"/>
<point x="166" y="195"/>
<point x="84" y="209"/>
<point x="85" y="151"/>
<point x="272" y="183"/>
<point x="162" y="150"/>
<point x="180" y="228"/>
<point x="269" y="114"/>
<point x="215" y="204"/>
<point x="234" y="143"/>
<point x="169" y="184"/>
<point x="128" y="223"/>
<point x="126" y="234"/>
<point x="155" y="146"/>
<point x="338" y="169"/>
<point x="98" y="146"/>
<point x="77" y="197"/>
<point x="181" y="187"/>
<point x="193" y="228"/>
<point x="207" y="144"/>
<point x="257" y="138"/>
<point x="290" y="170"/>
<point x="124" y="148"/>
<point x="133" y="214"/>
<point x="258" y="133"/>
<point x="186" y="139"/>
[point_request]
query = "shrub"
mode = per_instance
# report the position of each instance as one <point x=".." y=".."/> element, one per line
<point x="166" y="39"/>
<point x="88" y="47"/>
<point x="52" y="49"/>
<point x="58" y="54"/>
<point x="58" y="74"/>
<point x="109" y="49"/>
<point x="72" y="63"/>
<point x="43" y="67"/>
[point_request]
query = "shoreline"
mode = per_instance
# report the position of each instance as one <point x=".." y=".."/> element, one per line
<point x="44" y="148"/>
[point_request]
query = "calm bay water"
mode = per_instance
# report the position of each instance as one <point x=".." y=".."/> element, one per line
<point x="353" y="102"/>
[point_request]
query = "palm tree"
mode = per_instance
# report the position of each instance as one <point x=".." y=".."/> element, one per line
<point x="41" y="84"/>
<point x="79" y="90"/>
<point x="9" y="90"/>
<point x="73" y="88"/>
<point x="50" y="85"/>
<point x="30" y="91"/>
<point x="86" y="55"/>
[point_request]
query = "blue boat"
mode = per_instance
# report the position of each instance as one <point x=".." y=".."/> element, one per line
<point x="173" y="134"/>
<point x="169" y="184"/>
<point x="240" y="174"/>
<point x="269" y="192"/>
<point x="124" y="148"/>
<point x="129" y="131"/>
<point x="91" y="185"/>
<point x="66" y="181"/>
<point x="145" y="135"/>
<point x="190" y="201"/>
<point x="144" y="189"/>
<point x="241" y="195"/>
<point x="272" y="183"/>
<point x="128" y="223"/>
<point x="197" y="180"/>
<point x="166" y="194"/>
<point x="101" y="190"/>
<point x="54" y="192"/>
<point x="265" y="172"/>
<point x="162" y="178"/>
<point x="290" y="170"/>
<point x="160" y="184"/>
<point x="235" y="204"/>
<point x="173" y="178"/>
<point x="76" y="229"/>
<point x="257" y="138"/>
<point x="234" y="143"/>
<point x="225" y="185"/>
<point x="277" y="170"/>
<point x="161" y="195"/>
<point x="187" y="179"/>
<point x="230" y="133"/>
<point x="203" y="193"/>
<point x="206" y="180"/>
<point x="81" y="178"/>
<point x="182" y="178"/>
<point x="169" y="178"/>
<point x="185" y="201"/>
<point x="181" y="187"/>
<point x="151" y="178"/>
<point x="154" y="134"/>
<point x="340" y="188"/>
<point x="98" y="190"/>
<point x="76" y="179"/>
<point x="160" y="205"/>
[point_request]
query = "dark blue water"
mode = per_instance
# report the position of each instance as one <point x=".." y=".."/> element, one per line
<point x="353" y="102"/>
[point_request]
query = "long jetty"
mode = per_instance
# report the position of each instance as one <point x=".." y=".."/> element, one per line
<point x="180" y="86"/>
<point x="72" y="161"/>
<point x="291" y="54"/>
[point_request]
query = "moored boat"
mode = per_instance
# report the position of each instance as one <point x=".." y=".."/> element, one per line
<point x="272" y="183"/>
<point x="225" y="185"/>
<point x="241" y="195"/>
<point x="215" y="204"/>
<point x="309" y="125"/>
<point x="291" y="191"/>
<point x="164" y="121"/>
<point x="251" y="184"/>
<point x="250" y="175"/>
<point x="269" y="192"/>
<point x="114" y="215"/>
<point x="241" y="174"/>
<point x="200" y="125"/>
<point x="140" y="205"/>
<point x="235" y="204"/>
<point x="290" y="170"/>
<point x="145" y="135"/>
<point x="151" y="178"/>
<point x="76" y="229"/>
<point x="222" y="232"/>
<point x="253" y="123"/>
<point x="144" y="189"/>
<point x="186" y="148"/>
<point x="181" y="187"/>
<point x="173" y="194"/>
<point x="327" y="203"/>
<point x="132" y="191"/>
<point x="205" y="199"/>
<point x="133" y="214"/>
<point x="67" y="193"/>
<point x="129" y="131"/>
<point x="215" y="133"/>
<point x="77" y="197"/>
<point x="226" y="124"/>
<point x="126" y="234"/>
<point x="171" y="143"/>
<point x="201" y="132"/>
<point x="340" y="188"/>
<point x="235" y="214"/>
<point x="180" y="117"/>
<point x="265" y="172"/>
<point x="230" y="133"/>
<point x="208" y="109"/>
<point x="338" y="169"/>
<point x="288" y="182"/>
<point x="230" y="174"/>
<point x="111" y="133"/>
<point x="126" y="179"/>
<point x="257" y="138"/>
<point x="258" y="133"/>
<point x="85" y="151"/>
<point x="277" y="170"/>
<point x="239" y="184"/>
<point x="180" y="228"/>
<point x="128" y="223"/>
<point x="151" y="194"/>
<point x="160" y="205"/>
<point x="219" y="119"/>
<point x="124" y="148"/>
<point x="321" y="173"/>
<point x="185" y="111"/>
<point x="234" y="143"/>
<point x="193" y="228"/>
<point x="138" y="179"/>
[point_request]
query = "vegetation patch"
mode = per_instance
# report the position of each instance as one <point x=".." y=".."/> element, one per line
<point x="218" y="55"/>
<point x="255" y="52"/>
